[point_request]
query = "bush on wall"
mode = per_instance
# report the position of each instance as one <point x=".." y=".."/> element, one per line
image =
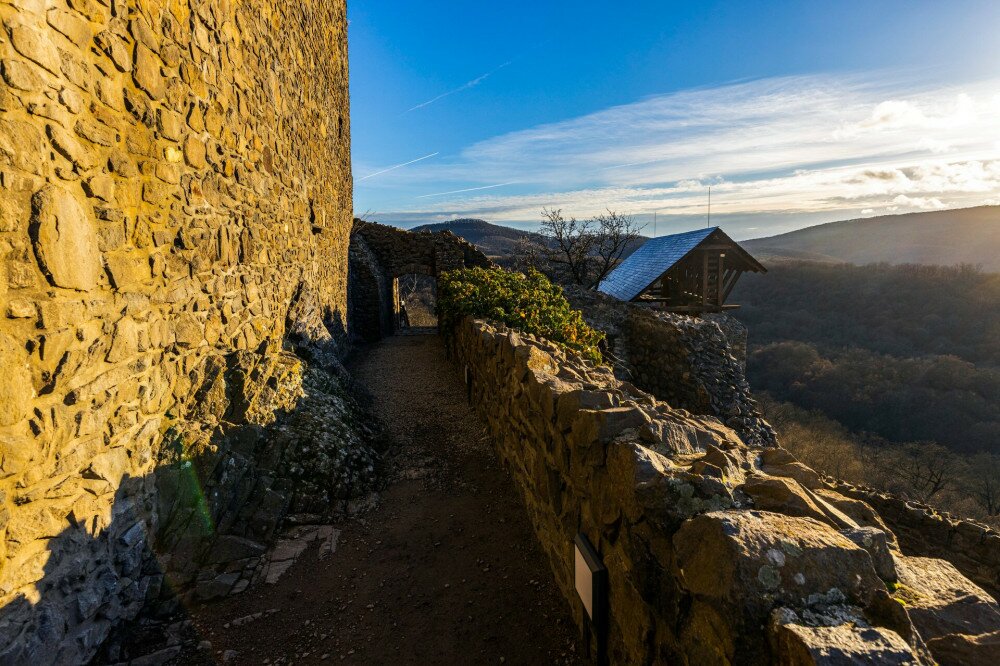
<point x="528" y="302"/>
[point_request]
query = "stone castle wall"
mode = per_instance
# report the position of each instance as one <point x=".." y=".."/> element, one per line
<point x="717" y="552"/>
<point x="175" y="197"/>
<point x="972" y="548"/>
<point x="695" y="363"/>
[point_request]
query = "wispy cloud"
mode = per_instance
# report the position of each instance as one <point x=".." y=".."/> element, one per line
<point x="465" y="86"/>
<point x="398" y="166"/>
<point x="468" y="189"/>
<point x="788" y="146"/>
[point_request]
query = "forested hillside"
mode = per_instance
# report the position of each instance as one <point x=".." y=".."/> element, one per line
<point x="883" y="375"/>
<point x="905" y="352"/>
<point x="493" y="239"/>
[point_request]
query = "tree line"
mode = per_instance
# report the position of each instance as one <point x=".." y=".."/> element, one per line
<point x="927" y="472"/>
<point x="903" y="311"/>
<point x="888" y="376"/>
<point x="943" y="399"/>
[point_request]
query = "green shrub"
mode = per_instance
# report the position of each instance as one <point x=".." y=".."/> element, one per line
<point x="527" y="302"/>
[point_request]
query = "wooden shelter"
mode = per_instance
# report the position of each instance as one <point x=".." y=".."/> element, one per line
<point x="692" y="272"/>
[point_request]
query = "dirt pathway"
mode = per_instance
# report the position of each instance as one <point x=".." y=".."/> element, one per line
<point x="444" y="571"/>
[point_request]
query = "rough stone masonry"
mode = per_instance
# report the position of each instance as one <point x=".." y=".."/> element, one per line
<point x="175" y="197"/>
<point x="718" y="551"/>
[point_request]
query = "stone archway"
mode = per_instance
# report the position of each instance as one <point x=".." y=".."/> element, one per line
<point x="380" y="255"/>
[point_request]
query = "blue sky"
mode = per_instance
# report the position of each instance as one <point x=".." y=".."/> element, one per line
<point x="794" y="112"/>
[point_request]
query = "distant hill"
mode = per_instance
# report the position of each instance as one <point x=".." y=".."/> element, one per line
<point x="493" y="239"/>
<point x="497" y="240"/>
<point x="946" y="237"/>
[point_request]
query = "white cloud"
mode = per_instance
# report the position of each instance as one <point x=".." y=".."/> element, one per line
<point x="923" y="203"/>
<point x="905" y="114"/>
<point x="797" y="145"/>
<point x="934" y="145"/>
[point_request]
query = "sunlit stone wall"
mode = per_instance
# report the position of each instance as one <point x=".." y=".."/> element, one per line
<point x="174" y="178"/>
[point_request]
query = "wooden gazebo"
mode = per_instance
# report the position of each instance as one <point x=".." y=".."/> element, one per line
<point x="692" y="272"/>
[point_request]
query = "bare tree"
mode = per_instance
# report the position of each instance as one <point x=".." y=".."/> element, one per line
<point x="927" y="468"/>
<point x="526" y="255"/>
<point x="986" y="482"/>
<point x="571" y="244"/>
<point x="615" y="233"/>
<point x="877" y="460"/>
<point x="586" y="251"/>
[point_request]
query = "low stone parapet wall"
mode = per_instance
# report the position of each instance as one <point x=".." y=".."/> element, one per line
<point x="972" y="548"/>
<point x="716" y="552"/>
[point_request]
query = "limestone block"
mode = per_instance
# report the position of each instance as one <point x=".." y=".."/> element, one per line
<point x="91" y="9"/>
<point x="67" y="146"/>
<point x="125" y="341"/>
<point x="34" y="520"/>
<point x="940" y="601"/>
<point x="779" y="462"/>
<point x="101" y="187"/>
<point x="875" y="542"/>
<point x="21" y="308"/>
<point x="116" y="49"/>
<point x="785" y="495"/>
<point x="16" y="390"/>
<point x="15" y="455"/>
<point x="74" y="28"/>
<point x="123" y="165"/>
<point x="965" y="650"/>
<point x="21" y="76"/>
<point x="22" y="146"/>
<point x="189" y="330"/>
<point x="147" y="73"/>
<point x="109" y="466"/>
<point x="171" y="124"/>
<point x="140" y="29"/>
<point x="71" y="99"/>
<point x="96" y="132"/>
<point x="849" y="642"/>
<point x="860" y="512"/>
<point x="194" y="152"/>
<point x="739" y="564"/>
<point x="36" y="46"/>
<point x="64" y="239"/>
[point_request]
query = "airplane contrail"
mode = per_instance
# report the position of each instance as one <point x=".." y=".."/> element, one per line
<point x="470" y="189"/>
<point x="397" y="166"/>
<point x="465" y="86"/>
<point x="621" y="166"/>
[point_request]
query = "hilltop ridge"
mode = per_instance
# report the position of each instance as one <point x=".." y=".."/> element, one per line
<point x="493" y="239"/>
<point x="944" y="237"/>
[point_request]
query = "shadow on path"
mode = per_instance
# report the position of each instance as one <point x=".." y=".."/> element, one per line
<point x="444" y="571"/>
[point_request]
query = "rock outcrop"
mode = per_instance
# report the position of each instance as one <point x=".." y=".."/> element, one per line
<point x="696" y="363"/>
<point x="717" y="550"/>
<point x="175" y="210"/>
<point x="972" y="548"/>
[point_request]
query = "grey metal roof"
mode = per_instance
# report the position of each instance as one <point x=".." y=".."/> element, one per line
<point x="649" y="262"/>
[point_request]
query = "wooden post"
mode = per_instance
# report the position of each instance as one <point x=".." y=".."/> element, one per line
<point x="704" y="279"/>
<point x="718" y="279"/>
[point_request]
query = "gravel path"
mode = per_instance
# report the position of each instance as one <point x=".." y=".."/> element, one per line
<point x="444" y="571"/>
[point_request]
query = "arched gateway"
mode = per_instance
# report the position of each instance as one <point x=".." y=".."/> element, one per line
<point x="381" y="254"/>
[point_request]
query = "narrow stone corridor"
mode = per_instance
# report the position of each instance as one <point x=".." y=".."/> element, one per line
<point x="445" y="570"/>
